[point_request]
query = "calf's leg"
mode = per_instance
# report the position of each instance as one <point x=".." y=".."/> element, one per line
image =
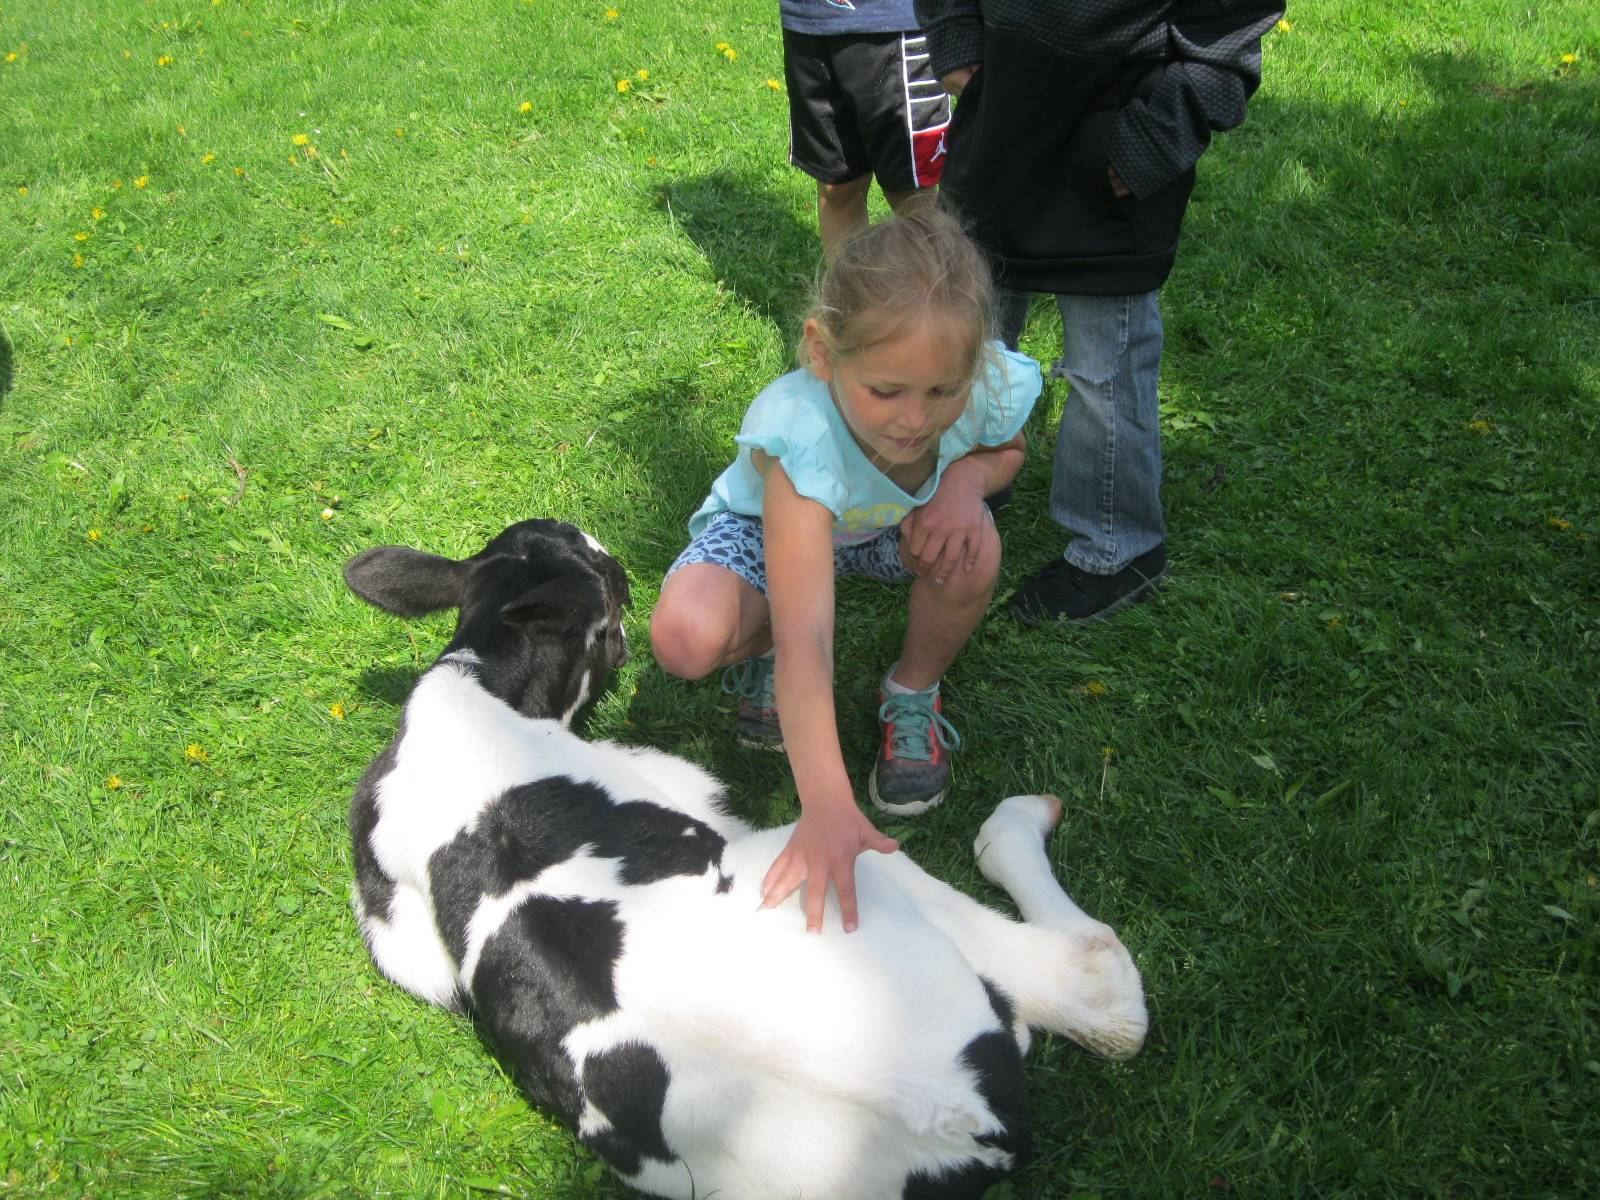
<point x="1061" y="969"/>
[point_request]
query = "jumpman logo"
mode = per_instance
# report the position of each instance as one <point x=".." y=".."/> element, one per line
<point x="938" y="151"/>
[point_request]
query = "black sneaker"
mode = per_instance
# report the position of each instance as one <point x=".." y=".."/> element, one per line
<point x="1063" y="592"/>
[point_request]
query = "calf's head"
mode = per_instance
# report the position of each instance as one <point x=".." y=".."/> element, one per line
<point x="540" y="610"/>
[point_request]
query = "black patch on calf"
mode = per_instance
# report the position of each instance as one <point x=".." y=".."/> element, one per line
<point x="995" y="1064"/>
<point x="996" y="1067"/>
<point x="545" y="970"/>
<point x="628" y="1084"/>
<point x="964" y="1183"/>
<point x="534" y="826"/>
<point x="376" y="888"/>
<point x="1005" y="1012"/>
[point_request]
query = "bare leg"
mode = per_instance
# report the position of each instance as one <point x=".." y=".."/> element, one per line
<point x="909" y="202"/>
<point x="708" y="618"/>
<point x="841" y="210"/>
<point x="943" y="616"/>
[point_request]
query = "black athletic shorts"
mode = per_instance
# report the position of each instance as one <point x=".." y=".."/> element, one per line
<point x="865" y="103"/>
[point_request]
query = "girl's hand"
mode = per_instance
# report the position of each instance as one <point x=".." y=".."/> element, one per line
<point x="822" y="850"/>
<point x="946" y="532"/>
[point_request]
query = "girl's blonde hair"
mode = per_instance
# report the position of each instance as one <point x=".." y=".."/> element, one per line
<point x="889" y="275"/>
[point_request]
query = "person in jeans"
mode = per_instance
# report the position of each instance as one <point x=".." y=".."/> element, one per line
<point x="1072" y="154"/>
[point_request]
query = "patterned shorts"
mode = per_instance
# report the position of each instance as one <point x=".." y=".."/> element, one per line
<point x="736" y="542"/>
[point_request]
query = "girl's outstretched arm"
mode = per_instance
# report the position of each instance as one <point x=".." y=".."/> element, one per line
<point x="832" y="829"/>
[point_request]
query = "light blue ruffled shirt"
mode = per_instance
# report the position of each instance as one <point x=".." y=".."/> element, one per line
<point x="796" y="421"/>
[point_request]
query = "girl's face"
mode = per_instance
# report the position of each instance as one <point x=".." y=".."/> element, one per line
<point x="900" y="395"/>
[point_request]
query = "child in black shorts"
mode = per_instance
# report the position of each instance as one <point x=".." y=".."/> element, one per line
<point x="863" y="102"/>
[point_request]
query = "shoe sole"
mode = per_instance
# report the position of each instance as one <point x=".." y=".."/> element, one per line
<point x="911" y="809"/>
<point x="750" y="743"/>
<point x="1139" y="594"/>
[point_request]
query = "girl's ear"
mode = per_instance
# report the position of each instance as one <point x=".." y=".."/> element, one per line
<point x="817" y="351"/>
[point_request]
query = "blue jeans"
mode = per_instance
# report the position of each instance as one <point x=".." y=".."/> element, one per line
<point x="1106" y="486"/>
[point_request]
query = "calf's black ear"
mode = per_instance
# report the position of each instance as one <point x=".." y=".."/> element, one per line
<point x="405" y="582"/>
<point x="552" y="606"/>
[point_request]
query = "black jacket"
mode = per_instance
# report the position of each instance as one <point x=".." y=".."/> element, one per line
<point x="1067" y="87"/>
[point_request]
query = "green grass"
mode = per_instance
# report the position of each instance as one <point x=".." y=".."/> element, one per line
<point x="1339" y="788"/>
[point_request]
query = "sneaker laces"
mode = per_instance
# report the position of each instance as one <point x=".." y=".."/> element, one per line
<point x="916" y="724"/>
<point x="751" y="680"/>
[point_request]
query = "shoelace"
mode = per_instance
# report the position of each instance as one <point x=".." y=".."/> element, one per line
<point x="750" y="680"/>
<point x="916" y="723"/>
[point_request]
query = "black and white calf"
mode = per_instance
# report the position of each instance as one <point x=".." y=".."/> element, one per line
<point x="595" y="909"/>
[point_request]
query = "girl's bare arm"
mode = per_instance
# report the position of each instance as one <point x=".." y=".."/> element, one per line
<point x="832" y="829"/>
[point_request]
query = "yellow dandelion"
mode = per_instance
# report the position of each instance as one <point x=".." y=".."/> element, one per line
<point x="327" y="514"/>
<point x="164" y="61"/>
<point x="1559" y="523"/>
<point x="612" y="14"/>
<point x="1095" y="688"/>
<point x="77" y="260"/>
<point x="525" y="107"/>
<point x="399" y="131"/>
<point x="113" y="782"/>
<point x="1107" y="753"/>
<point x="97" y="213"/>
<point x="183" y="496"/>
<point x="651" y="161"/>
<point x="1479" y="426"/>
<point x="730" y="54"/>
<point x="94" y="535"/>
<point x="238" y="170"/>
<point x="643" y="74"/>
<point x="775" y="85"/>
<point x="22" y="190"/>
<point x="116" y="185"/>
<point x="1285" y="26"/>
<point x="208" y="157"/>
<point x="127" y="54"/>
<point x="1334" y="622"/>
<point x="311" y="152"/>
<point x="194" y="752"/>
<point x="183" y="131"/>
<point x="80" y="236"/>
<point x="1569" y="59"/>
<point x="722" y="45"/>
<point x="624" y="86"/>
<point x="148" y="529"/>
<point x="11" y="56"/>
<point x="336" y="711"/>
<point x="1403" y="103"/>
<point x="301" y="139"/>
<point x="142" y="182"/>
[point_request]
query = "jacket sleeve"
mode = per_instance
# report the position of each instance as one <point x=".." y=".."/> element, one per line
<point x="1214" y="66"/>
<point x="955" y="33"/>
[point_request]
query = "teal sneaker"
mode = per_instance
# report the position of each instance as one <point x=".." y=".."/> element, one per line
<point x="913" y="764"/>
<point x="751" y="681"/>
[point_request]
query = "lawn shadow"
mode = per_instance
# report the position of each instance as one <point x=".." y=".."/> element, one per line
<point x="390" y="685"/>
<point x="749" y="235"/>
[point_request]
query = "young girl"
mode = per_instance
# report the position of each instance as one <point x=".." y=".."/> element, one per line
<point x="873" y="459"/>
